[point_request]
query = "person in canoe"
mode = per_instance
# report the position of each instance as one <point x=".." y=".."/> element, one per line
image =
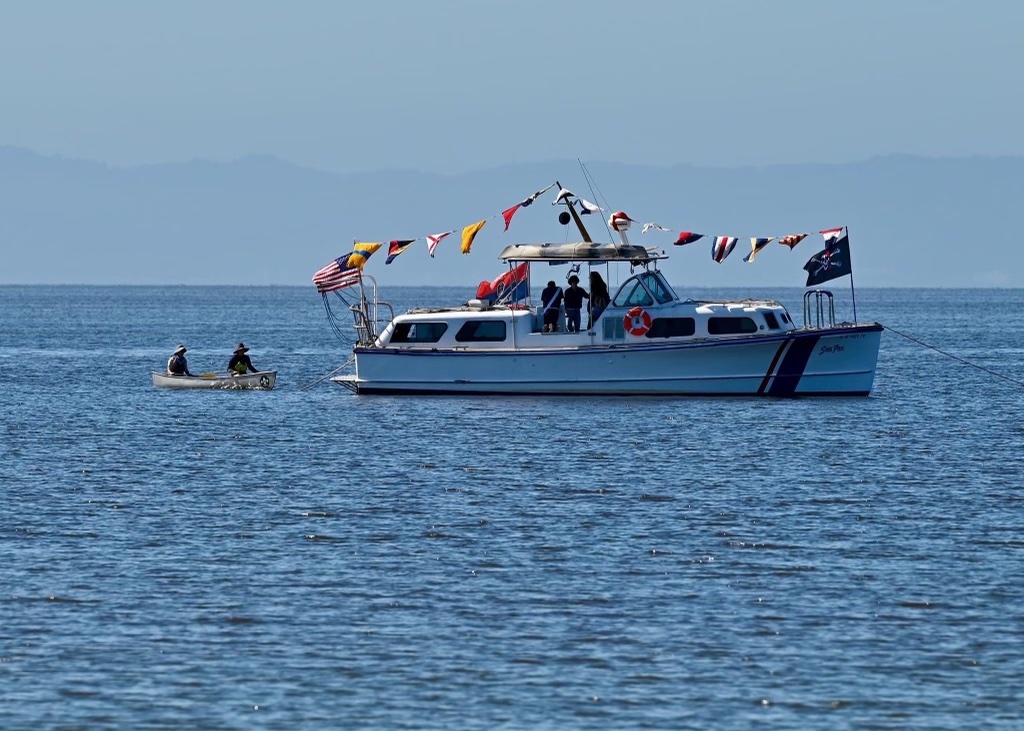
<point x="176" y="364"/>
<point x="240" y="364"/>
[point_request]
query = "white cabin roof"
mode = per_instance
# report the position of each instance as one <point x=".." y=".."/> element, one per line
<point x="579" y="251"/>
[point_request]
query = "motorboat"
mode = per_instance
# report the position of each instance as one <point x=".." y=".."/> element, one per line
<point x="647" y="341"/>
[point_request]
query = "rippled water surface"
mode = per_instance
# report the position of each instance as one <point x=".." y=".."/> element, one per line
<point x="313" y="559"/>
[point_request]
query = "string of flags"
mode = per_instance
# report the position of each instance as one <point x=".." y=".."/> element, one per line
<point x="346" y="270"/>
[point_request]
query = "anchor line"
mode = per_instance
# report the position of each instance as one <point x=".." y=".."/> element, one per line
<point x="955" y="357"/>
<point x="320" y="380"/>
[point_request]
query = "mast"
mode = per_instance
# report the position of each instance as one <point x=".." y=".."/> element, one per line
<point x="576" y="218"/>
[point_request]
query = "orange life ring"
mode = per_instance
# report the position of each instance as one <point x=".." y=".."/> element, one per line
<point x="637" y="322"/>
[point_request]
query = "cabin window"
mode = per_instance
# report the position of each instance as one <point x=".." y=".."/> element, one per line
<point x="633" y="296"/>
<point x="731" y="325"/>
<point x="659" y="288"/>
<point x="614" y="328"/>
<point x="784" y="316"/>
<point x="672" y="327"/>
<point x="769" y="317"/>
<point x="418" y="332"/>
<point x="482" y="331"/>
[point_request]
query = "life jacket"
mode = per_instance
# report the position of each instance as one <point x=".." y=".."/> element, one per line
<point x="239" y="367"/>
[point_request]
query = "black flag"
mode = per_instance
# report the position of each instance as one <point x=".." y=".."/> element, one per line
<point x="832" y="262"/>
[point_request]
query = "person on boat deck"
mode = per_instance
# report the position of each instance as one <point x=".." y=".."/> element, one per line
<point x="551" y="301"/>
<point x="240" y="364"/>
<point x="599" y="298"/>
<point x="574" y="297"/>
<point x="176" y="364"/>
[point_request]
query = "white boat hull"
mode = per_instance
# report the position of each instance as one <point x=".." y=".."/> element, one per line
<point x="262" y="381"/>
<point x="819" y="362"/>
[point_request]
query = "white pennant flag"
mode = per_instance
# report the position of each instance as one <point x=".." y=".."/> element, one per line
<point x="433" y="240"/>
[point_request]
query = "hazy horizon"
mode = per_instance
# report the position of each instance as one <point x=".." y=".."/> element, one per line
<point x="290" y="129"/>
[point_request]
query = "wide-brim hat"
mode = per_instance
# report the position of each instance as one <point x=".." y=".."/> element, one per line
<point x="241" y="348"/>
<point x="180" y="349"/>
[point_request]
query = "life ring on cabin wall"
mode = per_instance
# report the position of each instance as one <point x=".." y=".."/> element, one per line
<point x="637" y="322"/>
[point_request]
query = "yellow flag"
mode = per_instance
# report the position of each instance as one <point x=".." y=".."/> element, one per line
<point x="469" y="233"/>
<point x="360" y="253"/>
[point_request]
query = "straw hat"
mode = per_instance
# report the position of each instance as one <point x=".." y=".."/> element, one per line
<point x="241" y="348"/>
<point x="180" y="350"/>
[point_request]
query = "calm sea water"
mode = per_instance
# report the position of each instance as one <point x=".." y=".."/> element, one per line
<point x="314" y="559"/>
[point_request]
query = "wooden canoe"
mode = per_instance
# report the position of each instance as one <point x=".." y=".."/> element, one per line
<point x="262" y="381"/>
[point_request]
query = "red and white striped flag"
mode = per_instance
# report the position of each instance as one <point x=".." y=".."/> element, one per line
<point x="434" y="239"/>
<point x="832" y="235"/>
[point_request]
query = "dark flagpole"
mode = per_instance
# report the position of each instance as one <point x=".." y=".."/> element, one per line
<point x="853" y="294"/>
<point x="576" y="217"/>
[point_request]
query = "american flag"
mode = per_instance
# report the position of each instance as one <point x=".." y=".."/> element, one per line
<point x="345" y="270"/>
<point x="336" y="275"/>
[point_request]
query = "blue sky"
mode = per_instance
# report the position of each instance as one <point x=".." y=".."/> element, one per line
<point x="452" y="86"/>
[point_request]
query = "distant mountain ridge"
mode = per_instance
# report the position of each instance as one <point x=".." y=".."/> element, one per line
<point x="913" y="221"/>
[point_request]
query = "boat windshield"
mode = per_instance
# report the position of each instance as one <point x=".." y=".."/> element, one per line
<point x="644" y="290"/>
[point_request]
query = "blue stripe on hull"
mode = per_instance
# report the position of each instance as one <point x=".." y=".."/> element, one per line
<point x="793" y="366"/>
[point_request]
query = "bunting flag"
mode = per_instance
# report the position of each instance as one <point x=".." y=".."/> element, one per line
<point x="563" y="194"/>
<point x="756" y="244"/>
<point x="469" y="233"/>
<point x="831" y="235"/>
<point x="722" y="247"/>
<point x="792" y="240"/>
<point x="830" y="263"/>
<point x="362" y="251"/>
<point x="397" y="247"/>
<point x="529" y="201"/>
<point x="508" y="213"/>
<point x="345" y="270"/>
<point x="686" y="237"/>
<point x="510" y="287"/>
<point x="434" y="239"/>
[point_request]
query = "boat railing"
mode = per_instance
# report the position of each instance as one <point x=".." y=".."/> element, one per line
<point x="366" y="313"/>
<point x="819" y="304"/>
